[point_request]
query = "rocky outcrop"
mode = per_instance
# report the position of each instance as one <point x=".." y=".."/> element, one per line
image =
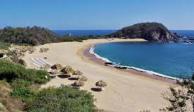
<point x="148" y="31"/>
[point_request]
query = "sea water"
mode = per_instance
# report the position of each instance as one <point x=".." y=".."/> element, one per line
<point x="170" y="59"/>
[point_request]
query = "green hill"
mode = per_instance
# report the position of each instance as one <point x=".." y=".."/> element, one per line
<point x="28" y="35"/>
<point x="148" y="31"/>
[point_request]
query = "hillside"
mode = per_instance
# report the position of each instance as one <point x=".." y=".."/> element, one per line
<point x="28" y="35"/>
<point x="148" y="31"/>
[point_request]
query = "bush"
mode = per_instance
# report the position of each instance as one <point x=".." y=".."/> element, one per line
<point x="20" y="83"/>
<point x="63" y="99"/>
<point x="27" y="35"/>
<point x="22" y="92"/>
<point x="25" y="94"/>
<point x="8" y="103"/>
<point x="4" y="45"/>
<point x="10" y="71"/>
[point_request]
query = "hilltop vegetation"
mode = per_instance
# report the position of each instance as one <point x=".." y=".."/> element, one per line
<point x="29" y="35"/>
<point x="35" y="36"/>
<point x="148" y="31"/>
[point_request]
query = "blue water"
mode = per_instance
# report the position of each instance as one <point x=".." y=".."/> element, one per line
<point x="188" y="33"/>
<point x="83" y="32"/>
<point x="175" y="60"/>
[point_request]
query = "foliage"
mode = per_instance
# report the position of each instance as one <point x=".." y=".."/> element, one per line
<point x="177" y="101"/>
<point x="20" y="83"/>
<point x="35" y="36"/>
<point x="76" y="38"/>
<point x="4" y="45"/>
<point x="29" y="35"/>
<point x="63" y="99"/>
<point x="24" y="93"/>
<point x="181" y="99"/>
<point x="7" y="102"/>
<point x="21" y="79"/>
<point x="11" y="71"/>
<point x="68" y="38"/>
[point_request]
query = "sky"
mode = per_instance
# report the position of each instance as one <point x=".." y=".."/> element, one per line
<point x="96" y="14"/>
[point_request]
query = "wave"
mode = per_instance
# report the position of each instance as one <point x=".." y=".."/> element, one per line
<point x="91" y="51"/>
<point x="149" y="72"/>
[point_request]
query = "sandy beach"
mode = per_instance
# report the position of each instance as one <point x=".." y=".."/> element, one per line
<point x="126" y="91"/>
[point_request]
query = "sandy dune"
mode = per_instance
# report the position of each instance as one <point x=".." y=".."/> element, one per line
<point x="126" y="92"/>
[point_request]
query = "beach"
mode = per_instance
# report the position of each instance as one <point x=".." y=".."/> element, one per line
<point x="127" y="91"/>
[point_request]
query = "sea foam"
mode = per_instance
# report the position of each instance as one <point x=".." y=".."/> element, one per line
<point x="92" y="51"/>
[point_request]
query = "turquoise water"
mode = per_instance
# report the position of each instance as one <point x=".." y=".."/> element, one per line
<point x="171" y="59"/>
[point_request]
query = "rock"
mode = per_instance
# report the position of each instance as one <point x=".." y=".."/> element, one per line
<point x="97" y="89"/>
<point x="148" y="31"/>
<point x="67" y="70"/>
<point x="78" y="84"/>
<point x="22" y="62"/>
<point x="101" y="83"/>
<point x="57" y="67"/>
<point x="77" y="72"/>
<point x="108" y="63"/>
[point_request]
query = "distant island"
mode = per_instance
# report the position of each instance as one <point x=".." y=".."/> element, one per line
<point x="148" y="31"/>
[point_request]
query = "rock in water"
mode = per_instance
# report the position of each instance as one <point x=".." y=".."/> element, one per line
<point x="147" y="31"/>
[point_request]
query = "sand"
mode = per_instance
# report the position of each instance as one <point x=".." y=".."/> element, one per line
<point x="126" y="91"/>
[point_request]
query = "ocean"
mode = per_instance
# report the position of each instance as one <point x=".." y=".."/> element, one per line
<point x="170" y="59"/>
<point x="188" y="33"/>
<point x="83" y="32"/>
<point x="174" y="60"/>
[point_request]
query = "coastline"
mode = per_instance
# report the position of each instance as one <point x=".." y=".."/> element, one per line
<point x="127" y="91"/>
<point x="89" y="52"/>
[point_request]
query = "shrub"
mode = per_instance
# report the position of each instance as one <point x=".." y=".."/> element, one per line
<point x="4" y="45"/>
<point x="24" y="93"/>
<point x="63" y="99"/>
<point x="37" y="76"/>
<point x="8" y="103"/>
<point x="20" y="83"/>
<point x="35" y="35"/>
<point x="10" y="71"/>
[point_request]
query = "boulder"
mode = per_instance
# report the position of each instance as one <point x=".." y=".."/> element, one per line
<point x="57" y="66"/>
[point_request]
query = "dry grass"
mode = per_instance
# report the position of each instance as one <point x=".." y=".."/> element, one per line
<point x="8" y="103"/>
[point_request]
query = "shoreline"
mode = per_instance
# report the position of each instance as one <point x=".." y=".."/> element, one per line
<point x="90" y="54"/>
<point x="127" y="91"/>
